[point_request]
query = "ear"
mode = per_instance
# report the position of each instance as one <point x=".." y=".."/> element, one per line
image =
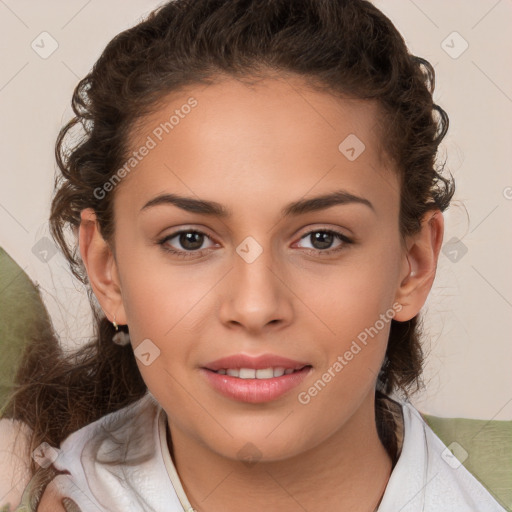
<point x="419" y="264"/>
<point x="101" y="267"/>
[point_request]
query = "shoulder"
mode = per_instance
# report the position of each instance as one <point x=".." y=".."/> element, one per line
<point x="124" y="425"/>
<point x="113" y="439"/>
<point x="106" y="444"/>
<point x="115" y="463"/>
<point x="428" y="477"/>
<point x="14" y="461"/>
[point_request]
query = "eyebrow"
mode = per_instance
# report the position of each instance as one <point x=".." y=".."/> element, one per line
<point x="300" y="207"/>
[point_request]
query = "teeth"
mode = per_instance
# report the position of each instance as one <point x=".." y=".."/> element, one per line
<point x="247" y="373"/>
<point x="278" y="372"/>
<point x="251" y="373"/>
<point x="267" y="373"/>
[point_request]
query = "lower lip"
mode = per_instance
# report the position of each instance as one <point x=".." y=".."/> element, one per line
<point x="254" y="390"/>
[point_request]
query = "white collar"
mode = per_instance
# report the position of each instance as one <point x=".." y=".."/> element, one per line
<point x="427" y="477"/>
<point x="122" y="462"/>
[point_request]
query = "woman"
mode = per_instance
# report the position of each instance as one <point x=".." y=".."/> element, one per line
<point x="258" y="213"/>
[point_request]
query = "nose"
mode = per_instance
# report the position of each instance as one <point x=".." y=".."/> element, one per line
<point x="255" y="295"/>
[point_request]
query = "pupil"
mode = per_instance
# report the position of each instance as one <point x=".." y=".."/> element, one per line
<point x="321" y="237"/>
<point x="188" y="238"/>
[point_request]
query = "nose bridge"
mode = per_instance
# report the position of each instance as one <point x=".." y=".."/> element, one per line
<point x="254" y="266"/>
<point x="257" y="295"/>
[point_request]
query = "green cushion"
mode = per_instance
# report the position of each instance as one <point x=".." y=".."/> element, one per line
<point x="21" y="312"/>
<point x="484" y="447"/>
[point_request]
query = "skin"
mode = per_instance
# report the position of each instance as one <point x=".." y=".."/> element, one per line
<point x="254" y="149"/>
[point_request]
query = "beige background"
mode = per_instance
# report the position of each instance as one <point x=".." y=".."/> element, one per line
<point x="469" y="313"/>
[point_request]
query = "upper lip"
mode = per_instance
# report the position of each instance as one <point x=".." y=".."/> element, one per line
<point x="255" y="362"/>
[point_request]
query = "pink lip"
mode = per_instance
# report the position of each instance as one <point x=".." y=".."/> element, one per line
<point x="256" y="363"/>
<point x="255" y="390"/>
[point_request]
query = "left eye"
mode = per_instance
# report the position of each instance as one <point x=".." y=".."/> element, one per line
<point x="323" y="240"/>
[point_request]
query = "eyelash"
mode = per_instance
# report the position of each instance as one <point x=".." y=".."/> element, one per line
<point x="198" y="253"/>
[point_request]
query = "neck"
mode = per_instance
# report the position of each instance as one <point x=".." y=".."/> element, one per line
<point x="347" y="471"/>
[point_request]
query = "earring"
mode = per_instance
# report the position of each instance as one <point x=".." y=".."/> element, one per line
<point x="120" y="337"/>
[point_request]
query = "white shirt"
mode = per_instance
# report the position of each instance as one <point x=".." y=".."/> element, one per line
<point x="122" y="463"/>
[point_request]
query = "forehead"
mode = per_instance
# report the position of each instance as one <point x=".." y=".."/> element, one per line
<point x="231" y="139"/>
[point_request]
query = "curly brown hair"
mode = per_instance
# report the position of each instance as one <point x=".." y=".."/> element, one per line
<point x="343" y="47"/>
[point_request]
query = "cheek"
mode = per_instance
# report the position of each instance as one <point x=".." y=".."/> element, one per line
<point x="158" y="296"/>
<point x="166" y="306"/>
<point x="354" y="310"/>
<point x="351" y="297"/>
<point x="352" y="337"/>
<point x="160" y="307"/>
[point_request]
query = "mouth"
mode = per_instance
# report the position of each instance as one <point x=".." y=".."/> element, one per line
<point x="252" y="373"/>
<point x="255" y="379"/>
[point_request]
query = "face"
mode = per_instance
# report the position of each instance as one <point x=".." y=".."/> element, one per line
<point x="309" y="288"/>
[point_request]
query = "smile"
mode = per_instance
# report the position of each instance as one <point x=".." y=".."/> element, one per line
<point x="251" y="373"/>
<point x="254" y="379"/>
